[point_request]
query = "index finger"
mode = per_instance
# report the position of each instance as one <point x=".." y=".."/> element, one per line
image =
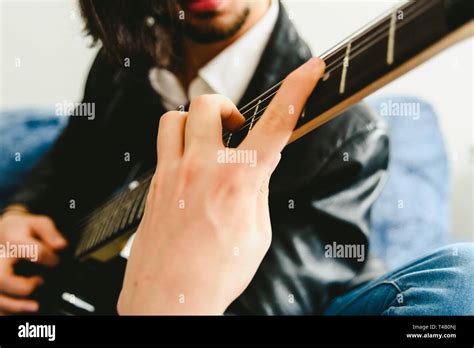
<point x="272" y="132"/>
<point x="207" y="114"/>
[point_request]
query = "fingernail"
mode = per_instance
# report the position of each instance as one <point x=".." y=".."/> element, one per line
<point x="31" y="307"/>
<point x="60" y="241"/>
<point x="316" y="63"/>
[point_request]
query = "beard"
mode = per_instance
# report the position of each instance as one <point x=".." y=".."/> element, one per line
<point x="169" y="30"/>
<point x="202" y="33"/>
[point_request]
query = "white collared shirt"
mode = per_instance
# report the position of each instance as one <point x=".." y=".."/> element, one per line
<point x="228" y="73"/>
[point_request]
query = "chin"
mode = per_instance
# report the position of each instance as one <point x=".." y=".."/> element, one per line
<point x="213" y="21"/>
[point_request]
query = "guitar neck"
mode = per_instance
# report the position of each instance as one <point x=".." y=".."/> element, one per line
<point x="399" y="41"/>
<point x="377" y="54"/>
<point x="114" y="219"/>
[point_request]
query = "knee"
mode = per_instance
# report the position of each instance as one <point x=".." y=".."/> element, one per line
<point x="457" y="256"/>
<point x="454" y="266"/>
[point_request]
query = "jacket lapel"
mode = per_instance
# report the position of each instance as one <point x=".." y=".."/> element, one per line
<point x="285" y="51"/>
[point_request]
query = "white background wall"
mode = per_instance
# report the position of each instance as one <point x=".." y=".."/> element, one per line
<point x="46" y="37"/>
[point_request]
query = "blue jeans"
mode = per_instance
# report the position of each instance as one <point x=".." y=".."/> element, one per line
<point x="440" y="283"/>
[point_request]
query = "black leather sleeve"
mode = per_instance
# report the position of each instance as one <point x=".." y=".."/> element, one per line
<point x="324" y="188"/>
<point x="61" y="174"/>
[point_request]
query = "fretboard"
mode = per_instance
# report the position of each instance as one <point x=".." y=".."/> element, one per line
<point x="383" y="50"/>
<point x="120" y="214"/>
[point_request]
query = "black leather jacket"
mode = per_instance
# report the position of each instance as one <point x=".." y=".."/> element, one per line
<point x="321" y="192"/>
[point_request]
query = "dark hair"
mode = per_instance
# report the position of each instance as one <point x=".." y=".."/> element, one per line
<point x="132" y="28"/>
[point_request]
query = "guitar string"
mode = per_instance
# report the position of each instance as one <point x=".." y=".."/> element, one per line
<point x="411" y="11"/>
<point x="336" y="48"/>
<point x="258" y="114"/>
<point x="340" y="62"/>
<point x="253" y="119"/>
<point x="147" y="176"/>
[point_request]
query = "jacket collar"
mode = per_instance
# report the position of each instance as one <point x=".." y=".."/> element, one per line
<point x="284" y="52"/>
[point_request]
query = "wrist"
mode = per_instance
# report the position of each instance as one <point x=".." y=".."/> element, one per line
<point x="17" y="209"/>
<point x="169" y="302"/>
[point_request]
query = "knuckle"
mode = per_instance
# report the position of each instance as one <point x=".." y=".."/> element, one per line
<point x="168" y="116"/>
<point x="294" y="77"/>
<point x="45" y="220"/>
<point x="27" y="290"/>
<point x="155" y="184"/>
<point x="191" y="166"/>
<point x="299" y="77"/>
<point x="275" y="120"/>
<point x="233" y="180"/>
<point x="5" y="278"/>
<point x="237" y="174"/>
<point x="203" y="100"/>
<point x="45" y="255"/>
<point x="6" y="234"/>
<point x="41" y="254"/>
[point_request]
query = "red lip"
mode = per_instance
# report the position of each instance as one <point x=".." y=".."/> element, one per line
<point x="202" y="6"/>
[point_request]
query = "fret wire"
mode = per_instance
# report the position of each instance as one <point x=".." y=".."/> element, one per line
<point x="329" y="55"/>
<point x="384" y="26"/>
<point x="339" y="47"/>
<point x="385" y="34"/>
<point x="140" y="201"/>
<point x="90" y="235"/>
<point x="95" y="237"/>
<point x="100" y="237"/>
<point x="111" y="225"/>
<point x="118" y="210"/>
<point x="364" y="29"/>
<point x="112" y="217"/>
<point x="241" y="110"/>
<point x="89" y="238"/>
<point x="335" y="49"/>
<point x="128" y="207"/>
<point x="105" y="220"/>
<point x="260" y="102"/>
<point x="391" y="39"/>
<point x="136" y="205"/>
<point x="142" y="205"/>
<point x="124" y="215"/>
<point x="420" y="9"/>
<point x="143" y="178"/>
<point x="115" y="227"/>
<point x="109" y="220"/>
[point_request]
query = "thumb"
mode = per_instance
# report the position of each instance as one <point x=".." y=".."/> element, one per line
<point x="274" y="164"/>
<point x="44" y="228"/>
<point x="263" y="212"/>
<point x="263" y="191"/>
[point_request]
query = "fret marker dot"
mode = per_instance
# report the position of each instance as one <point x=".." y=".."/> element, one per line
<point x="133" y="185"/>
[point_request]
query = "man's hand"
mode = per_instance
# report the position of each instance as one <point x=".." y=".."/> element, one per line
<point x="33" y="232"/>
<point x="206" y="226"/>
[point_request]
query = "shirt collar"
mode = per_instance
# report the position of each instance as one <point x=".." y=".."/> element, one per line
<point x="228" y="73"/>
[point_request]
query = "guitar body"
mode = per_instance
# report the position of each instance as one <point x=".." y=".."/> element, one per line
<point x="87" y="287"/>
